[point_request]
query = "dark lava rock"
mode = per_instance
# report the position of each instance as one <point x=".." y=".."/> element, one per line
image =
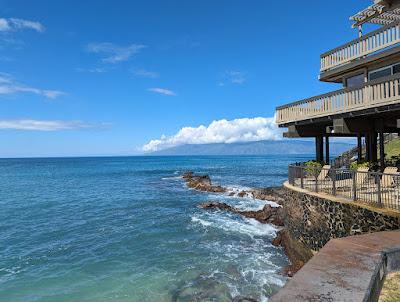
<point x="201" y="183"/>
<point x="268" y="214"/>
<point x="217" y="205"/>
<point x="296" y="251"/>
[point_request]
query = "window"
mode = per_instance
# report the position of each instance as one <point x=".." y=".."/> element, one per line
<point x="384" y="72"/>
<point x="355" y="81"/>
<point x="396" y="68"/>
<point x="380" y="73"/>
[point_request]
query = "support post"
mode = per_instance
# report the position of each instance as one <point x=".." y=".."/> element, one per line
<point x="319" y="148"/>
<point x="327" y="149"/>
<point x="334" y="182"/>
<point x="359" y="147"/>
<point x="355" y="185"/>
<point x="368" y="146"/>
<point x="378" y="192"/>
<point x="374" y="147"/>
<point x="382" y="150"/>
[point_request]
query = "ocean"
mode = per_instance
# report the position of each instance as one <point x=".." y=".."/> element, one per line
<point x="128" y="229"/>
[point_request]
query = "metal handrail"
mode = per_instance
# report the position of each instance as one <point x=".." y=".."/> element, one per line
<point x="374" y="188"/>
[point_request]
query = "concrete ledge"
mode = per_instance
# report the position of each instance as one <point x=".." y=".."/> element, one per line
<point x="350" y="269"/>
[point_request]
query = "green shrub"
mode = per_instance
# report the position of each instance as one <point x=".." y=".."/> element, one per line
<point x="313" y="168"/>
<point x="393" y="161"/>
<point x="364" y="164"/>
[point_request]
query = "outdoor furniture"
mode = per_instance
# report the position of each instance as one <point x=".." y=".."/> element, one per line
<point x="322" y="175"/>
<point x="361" y="176"/>
<point x="387" y="177"/>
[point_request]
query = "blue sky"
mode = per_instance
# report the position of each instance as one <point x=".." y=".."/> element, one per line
<point x="107" y="77"/>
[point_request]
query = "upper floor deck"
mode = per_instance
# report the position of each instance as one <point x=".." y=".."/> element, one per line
<point x="376" y="41"/>
<point x="368" y="67"/>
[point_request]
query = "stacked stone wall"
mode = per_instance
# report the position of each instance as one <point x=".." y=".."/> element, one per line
<point x="315" y="220"/>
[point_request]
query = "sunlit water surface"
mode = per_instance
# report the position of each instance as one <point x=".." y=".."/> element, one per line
<point x="127" y="229"/>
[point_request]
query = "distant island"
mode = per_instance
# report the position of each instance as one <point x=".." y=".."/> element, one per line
<point x="253" y="148"/>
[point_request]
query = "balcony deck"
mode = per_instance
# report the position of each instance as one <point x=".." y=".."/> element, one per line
<point x="367" y="45"/>
<point x="374" y="94"/>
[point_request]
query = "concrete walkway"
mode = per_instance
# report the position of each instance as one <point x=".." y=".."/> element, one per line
<point x="347" y="269"/>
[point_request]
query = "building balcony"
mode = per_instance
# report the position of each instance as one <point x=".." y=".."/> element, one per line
<point x="373" y="94"/>
<point x="367" y="45"/>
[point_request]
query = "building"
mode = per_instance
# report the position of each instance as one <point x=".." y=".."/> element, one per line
<point x="368" y="105"/>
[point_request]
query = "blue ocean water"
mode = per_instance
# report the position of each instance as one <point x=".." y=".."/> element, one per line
<point x="128" y="229"/>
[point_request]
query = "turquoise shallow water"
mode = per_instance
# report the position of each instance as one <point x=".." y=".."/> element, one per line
<point x="127" y="229"/>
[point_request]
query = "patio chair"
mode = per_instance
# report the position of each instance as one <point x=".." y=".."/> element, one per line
<point x="361" y="177"/>
<point x="387" y="177"/>
<point x="321" y="176"/>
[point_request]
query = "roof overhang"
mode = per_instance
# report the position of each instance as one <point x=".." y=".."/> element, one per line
<point x="382" y="12"/>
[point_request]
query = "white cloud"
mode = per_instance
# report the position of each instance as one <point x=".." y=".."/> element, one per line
<point x="233" y="77"/>
<point x="47" y="125"/>
<point x="221" y="131"/>
<point x="162" y="91"/>
<point x="13" y="24"/>
<point x="146" y="73"/>
<point x="9" y="86"/>
<point x="113" y="53"/>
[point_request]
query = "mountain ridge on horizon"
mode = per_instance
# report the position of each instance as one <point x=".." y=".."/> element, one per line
<point x="265" y="147"/>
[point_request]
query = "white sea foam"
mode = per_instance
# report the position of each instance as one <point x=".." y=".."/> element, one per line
<point x="231" y="224"/>
<point x="172" y="178"/>
<point x="201" y="221"/>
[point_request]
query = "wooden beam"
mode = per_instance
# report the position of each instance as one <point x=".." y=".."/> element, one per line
<point x="352" y="125"/>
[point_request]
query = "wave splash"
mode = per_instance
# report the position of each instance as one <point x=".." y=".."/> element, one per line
<point x="245" y="246"/>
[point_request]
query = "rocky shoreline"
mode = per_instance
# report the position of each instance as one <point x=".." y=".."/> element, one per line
<point x="296" y="251"/>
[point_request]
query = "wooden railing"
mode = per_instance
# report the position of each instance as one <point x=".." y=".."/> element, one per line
<point x="373" y="94"/>
<point x="377" y="40"/>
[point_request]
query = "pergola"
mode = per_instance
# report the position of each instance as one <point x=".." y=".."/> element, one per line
<point x="382" y="12"/>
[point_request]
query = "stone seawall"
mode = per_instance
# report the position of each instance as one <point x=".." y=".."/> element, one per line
<point x="314" y="219"/>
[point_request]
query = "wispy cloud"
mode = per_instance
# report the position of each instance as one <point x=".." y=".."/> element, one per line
<point x="162" y="91"/>
<point x="14" y="24"/>
<point x="145" y="73"/>
<point x="9" y="86"/>
<point x="92" y="70"/>
<point x="48" y="125"/>
<point x="220" y="131"/>
<point x="233" y="77"/>
<point x="114" y="53"/>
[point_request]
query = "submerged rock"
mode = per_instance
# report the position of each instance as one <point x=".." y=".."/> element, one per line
<point x="202" y="288"/>
<point x="242" y="299"/>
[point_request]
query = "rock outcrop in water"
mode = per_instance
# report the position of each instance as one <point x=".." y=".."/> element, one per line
<point x="297" y="252"/>
<point x="202" y="183"/>
<point x="268" y="214"/>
